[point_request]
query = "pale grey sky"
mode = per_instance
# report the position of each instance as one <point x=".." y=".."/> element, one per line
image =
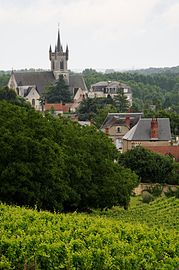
<point x="101" y="34"/>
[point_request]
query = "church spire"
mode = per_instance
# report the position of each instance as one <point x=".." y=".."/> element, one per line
<point x="59" y="59"/>
<point x="58" y="41"/>
<point x="67" y="52"/>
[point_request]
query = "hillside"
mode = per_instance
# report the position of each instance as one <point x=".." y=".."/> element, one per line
<point x="153" y="70"/>
<point x="41" y="240"/>
<point x="163" y="212"/>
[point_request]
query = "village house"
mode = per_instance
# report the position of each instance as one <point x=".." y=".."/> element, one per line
<point x="112" y="88"/>
<point x="148" y="132"/>
<point x="116" y="125"/>
<point x="32" y="85"/>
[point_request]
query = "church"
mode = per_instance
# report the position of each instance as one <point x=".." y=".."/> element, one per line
<point x="31" y="85"/>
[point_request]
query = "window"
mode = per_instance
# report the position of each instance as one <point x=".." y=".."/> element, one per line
<point x="61" y="65"/>
<point x="118" y="129"/>
<point x="33" y="102"/>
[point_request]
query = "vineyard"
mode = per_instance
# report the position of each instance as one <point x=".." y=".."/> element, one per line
<point x="145" y="237"/>
<point x="161" y="212"/>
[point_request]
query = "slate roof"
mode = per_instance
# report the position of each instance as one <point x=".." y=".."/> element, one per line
<point x="141" y="131"/>
<point x="111" y="84"/>
<point x="77" y="81"/>
<point x="41" y="79"/>
<point x="27" y="91"/>
<point x="38" y="79"/>
<point x="114" y="119"/>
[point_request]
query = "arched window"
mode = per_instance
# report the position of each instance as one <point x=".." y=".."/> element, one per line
<point x="61" y="65"/>
<point x="33" y="102"/>
<point x="118" y="129"/>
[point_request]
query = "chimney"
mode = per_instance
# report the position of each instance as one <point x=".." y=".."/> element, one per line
<point x="127" y="121"/>
<point x="154" y="129"/>
<point x="107" y="131"/>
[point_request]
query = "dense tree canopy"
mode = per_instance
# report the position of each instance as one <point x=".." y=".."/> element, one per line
<point x="57" y="164"/>
<point x="151" y="167"/>
<point x="4" y="78"/>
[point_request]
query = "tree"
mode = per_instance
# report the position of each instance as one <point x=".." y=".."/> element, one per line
<point x="150" y="167"/>
<point x="90" y="107"/>
<point x="121" y="102"/>
<point x="4" y="78"/>
<point x="11" y="96"/>
<point x="8" y="94"/>
<point x="97" y="181"/>
<point x="102" y="113"/>
<point x="59" y="92"/>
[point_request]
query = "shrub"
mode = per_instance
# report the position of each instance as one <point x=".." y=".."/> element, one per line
<point x="147" y="197"/>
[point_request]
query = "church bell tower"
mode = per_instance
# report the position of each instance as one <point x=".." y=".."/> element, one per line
<point x="59" y="59"/>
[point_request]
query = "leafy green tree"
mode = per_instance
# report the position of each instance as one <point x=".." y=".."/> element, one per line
<point x="11" y="96"/>
<point x="89" y="108"/>
<point x="98" y="182"/>
<point x="59" y="92"/>
<point x="121" y="102"/>
<point x="4" y="78"/>
<point x="102" y="113"/>
<point x="7" y="94"/>
<point x="149" y="166"/>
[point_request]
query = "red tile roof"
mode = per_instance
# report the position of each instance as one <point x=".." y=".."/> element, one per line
<point x="172" y="150"/>
<point x="58" y="107"/>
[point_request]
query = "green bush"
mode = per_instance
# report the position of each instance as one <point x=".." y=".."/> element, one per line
<point x="147" y="197"/>
<point x="172" y="193"/>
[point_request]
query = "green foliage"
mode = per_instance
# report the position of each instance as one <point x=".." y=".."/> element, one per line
<point x="102" y="114"/>
<point x="121" y="102"/>
<point x="162" y="212"/>
<point x="32" y="240"/>
<point x="172" y="193"/>
<point x="147" y="197"/>
<point x="4" y="78"/>
<point x="59" y="92"/>
<point x="151" y="167"/>
<point x="90" y="108"/>
<point x="159" y="90"/>
<point x="7" y="94"/>
<point x="91" y="76"/>
<point x="11" y="96"/>
<point x="57" y="164"/>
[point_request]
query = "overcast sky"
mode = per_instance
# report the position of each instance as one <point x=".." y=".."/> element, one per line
<point x="101" y="34"/>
